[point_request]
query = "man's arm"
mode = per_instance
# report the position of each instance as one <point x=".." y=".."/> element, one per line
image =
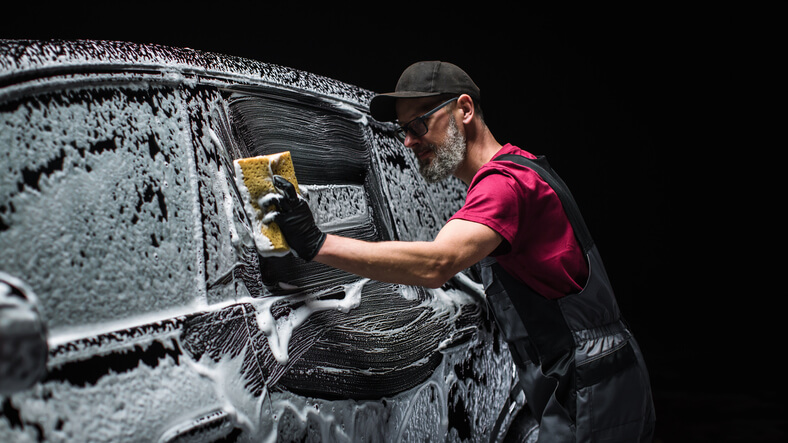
<point x="458" y="245"/>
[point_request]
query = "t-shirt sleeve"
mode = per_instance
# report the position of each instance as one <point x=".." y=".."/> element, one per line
<point x="493" y="202"/>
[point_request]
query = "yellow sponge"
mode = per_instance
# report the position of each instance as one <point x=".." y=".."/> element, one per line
<point x="254" y="177"/>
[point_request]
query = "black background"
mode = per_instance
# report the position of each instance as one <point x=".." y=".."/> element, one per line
<point x="656" y="116"/>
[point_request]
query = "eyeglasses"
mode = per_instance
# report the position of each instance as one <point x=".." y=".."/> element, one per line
<point x="418" y="126"/>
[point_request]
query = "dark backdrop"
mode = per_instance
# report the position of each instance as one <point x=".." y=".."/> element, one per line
<point x="644" y="110"/>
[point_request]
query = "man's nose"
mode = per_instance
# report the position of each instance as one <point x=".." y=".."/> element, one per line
<point x="411" y="140"/>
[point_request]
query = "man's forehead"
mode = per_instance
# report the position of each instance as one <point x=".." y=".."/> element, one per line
<point x="410" y="108"/>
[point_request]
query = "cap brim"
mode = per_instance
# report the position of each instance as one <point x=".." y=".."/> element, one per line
<point x="382" y="106"/>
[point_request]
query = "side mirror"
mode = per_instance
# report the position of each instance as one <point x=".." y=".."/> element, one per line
<point x="23" y="337"/>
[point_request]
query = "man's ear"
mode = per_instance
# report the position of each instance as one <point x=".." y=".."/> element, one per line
<point x="465" y="103"/>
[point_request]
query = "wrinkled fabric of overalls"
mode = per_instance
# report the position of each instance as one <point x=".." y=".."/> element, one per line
<point x="580" y="369"/>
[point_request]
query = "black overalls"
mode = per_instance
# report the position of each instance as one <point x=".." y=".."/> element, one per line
<point x="579" y="367"/>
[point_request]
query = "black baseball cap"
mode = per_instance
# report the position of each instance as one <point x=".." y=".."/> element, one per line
<point x="424" y="79"/>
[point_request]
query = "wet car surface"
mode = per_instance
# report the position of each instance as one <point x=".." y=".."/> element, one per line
<point x="118" y="207"/>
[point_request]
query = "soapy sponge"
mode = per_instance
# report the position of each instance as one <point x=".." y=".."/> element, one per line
<point x="254" y="178"/>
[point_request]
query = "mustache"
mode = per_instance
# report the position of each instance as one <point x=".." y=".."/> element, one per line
<point x="431" y="149"/>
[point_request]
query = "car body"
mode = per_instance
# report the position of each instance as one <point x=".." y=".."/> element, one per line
<point x="119" y="209"/>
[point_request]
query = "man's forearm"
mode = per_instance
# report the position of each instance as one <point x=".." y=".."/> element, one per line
<point x="411" y="263"/>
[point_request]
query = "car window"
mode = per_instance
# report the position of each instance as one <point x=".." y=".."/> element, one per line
<point x="96" y="205"/>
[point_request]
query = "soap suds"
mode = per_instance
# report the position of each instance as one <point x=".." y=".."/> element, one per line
<point x="279" y="331"/>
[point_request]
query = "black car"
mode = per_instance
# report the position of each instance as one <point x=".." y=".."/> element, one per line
<point x="127" y="254"/>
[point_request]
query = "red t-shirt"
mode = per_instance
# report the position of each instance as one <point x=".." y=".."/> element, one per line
<point x="539" y="247"/>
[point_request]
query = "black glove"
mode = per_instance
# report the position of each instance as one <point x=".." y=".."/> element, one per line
<point x="296" y="221"/>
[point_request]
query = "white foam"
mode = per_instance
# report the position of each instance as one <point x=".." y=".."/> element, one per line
<point x="279" y="331"/>
<point x="116" y="216"/>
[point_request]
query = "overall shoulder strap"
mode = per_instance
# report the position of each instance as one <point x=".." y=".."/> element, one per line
<point x="542" y="167"/>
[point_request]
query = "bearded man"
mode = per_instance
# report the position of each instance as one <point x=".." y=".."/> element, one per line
<point x="581" y="372"/>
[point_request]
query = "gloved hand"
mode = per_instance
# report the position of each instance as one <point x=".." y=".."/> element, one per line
<point x="296" y="221"/>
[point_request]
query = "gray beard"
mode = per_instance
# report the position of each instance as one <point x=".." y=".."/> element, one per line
<point x="448" y="156"/>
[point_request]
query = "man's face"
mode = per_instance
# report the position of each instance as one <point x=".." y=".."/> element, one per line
<point x="442" y="149"/>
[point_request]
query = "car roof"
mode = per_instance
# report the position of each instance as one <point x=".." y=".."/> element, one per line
<point x="23" y="61"/>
